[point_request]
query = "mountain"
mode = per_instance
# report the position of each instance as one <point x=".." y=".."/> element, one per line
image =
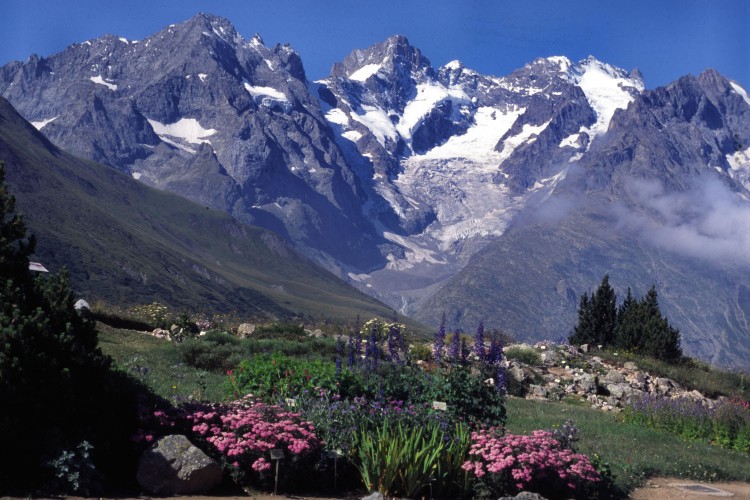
<point x="127" y="243"/>
<point x="500" y="198"/>
<point x="661" y="199"/>
<point x="199" y="111"/>
<point x="450" y="156"/>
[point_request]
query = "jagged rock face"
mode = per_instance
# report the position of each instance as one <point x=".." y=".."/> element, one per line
<point x="198" y="110"/>
<point x="447" y="157"/>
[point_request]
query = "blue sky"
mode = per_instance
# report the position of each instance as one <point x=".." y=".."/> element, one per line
<point x="665" y="39"/>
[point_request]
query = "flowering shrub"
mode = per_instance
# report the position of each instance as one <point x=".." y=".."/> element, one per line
<point x="504" y="464"/>
<point x="241" y="435"/>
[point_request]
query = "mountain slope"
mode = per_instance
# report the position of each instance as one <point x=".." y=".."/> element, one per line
<point x="128" y="243"/>
<point x="661" y="200"/>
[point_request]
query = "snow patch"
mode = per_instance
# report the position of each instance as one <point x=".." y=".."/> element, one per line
<point x="739" y="160"/>
<point x="604" y="89"/>
<point x="352" y="135"/>
<point x="124" y="40"/>
<point x="414" y="253"/>
<point x="257" y="91"/>
<point x="490" y="125"/>
<point x="99" y="80"/>
<point x="528" y="134"/>
<point x="571" y="141"/>
<point x="187" y="129"/>
<point x="428" y="96"/>
<point x="202" y="76"/>
<point x="454" y="65"/>
<point x="365" y="72"/>
<point x="358" y="277"/>
<point x="337" y="116"/>
<point x="378" y="122"/>
<point x="136" y="175"/>
<point x="43" y="123"/>
<point x="740" y="91"/>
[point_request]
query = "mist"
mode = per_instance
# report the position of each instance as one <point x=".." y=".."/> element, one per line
<point x="707" y="221"/>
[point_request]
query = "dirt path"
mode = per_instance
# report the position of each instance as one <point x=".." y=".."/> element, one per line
<point x="664" y="488"/>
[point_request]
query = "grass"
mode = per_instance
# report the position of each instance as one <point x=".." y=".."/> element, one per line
<point x="633" y="453"/>
<point x="167" y="375"/>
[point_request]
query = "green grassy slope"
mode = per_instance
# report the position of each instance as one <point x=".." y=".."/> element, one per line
<point x="126" y="243"/>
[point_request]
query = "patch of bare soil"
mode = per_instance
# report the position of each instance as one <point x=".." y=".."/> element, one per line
<point x="665" y="488"/>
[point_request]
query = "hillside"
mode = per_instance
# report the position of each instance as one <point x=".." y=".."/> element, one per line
<point x="127" y="243"/>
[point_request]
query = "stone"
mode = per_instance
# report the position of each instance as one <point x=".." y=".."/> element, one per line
<point x="525" y="495"/>
<point x="614" y="377"/>
<point x="630" y="366"/>
<point x="585" y="348"/>
<point x="518" y="373"/>
<point x="160" y="334"/>
<point x="586" y="383"/>
<point x="81" y="305"/>
<point x="174" y="466"/>
<point x="245" y="330"/>
<point x="637" y="379"/>
<point x="552" y="358"/>
<point x="537" y="391"/>
<point x="619" y="391"/>
<point x="373" y="496"/>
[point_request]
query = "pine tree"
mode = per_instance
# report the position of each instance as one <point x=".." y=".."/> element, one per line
<point x="583" y="332"/>
<point x="597" y="317"/>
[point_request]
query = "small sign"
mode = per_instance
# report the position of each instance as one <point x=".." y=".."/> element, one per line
<point x="439" y="405"/>
<point x="291" y="402"/>
<point x="277" y="454"/>
<point x="36" y="266"/>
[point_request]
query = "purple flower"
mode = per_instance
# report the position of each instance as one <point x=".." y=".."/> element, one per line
<point x="479" y="342"/>
<point x="439" y="342"/>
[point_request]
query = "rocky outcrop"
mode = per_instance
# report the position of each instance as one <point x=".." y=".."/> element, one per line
<point x="566" y="371"/>
<point x="173" y="466"/>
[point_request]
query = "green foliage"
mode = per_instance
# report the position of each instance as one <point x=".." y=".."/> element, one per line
<point x="597" y="317"/>
<point x="470" y="396"/>
<point x="523" y="354"/>
<point x="55" y="385"/>
<point x="275" y="376"/>
<point x="75" y="473"/>
<point x="637" y="325"/>
<point x="398" y="460"/>
<point x="281" y="331"/>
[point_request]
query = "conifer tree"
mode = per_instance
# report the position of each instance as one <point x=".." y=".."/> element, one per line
<point x="53" y="377"/>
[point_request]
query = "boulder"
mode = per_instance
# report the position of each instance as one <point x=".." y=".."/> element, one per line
<point x="630" y="366"/>
<point x="552" y="357"/>
<point x="525" y="495"/>
<point x="614" y="377"/>
<point x="619" y="391"/>
<point x="586" y="383"/>
<point x="245" y="330"/>
<point x="81" y="305"/>
<point x="174" y="466"/>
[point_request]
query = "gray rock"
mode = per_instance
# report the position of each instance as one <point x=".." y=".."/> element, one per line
<point x="373" y="496"/>
<point x="630" y="366"/>
<point x="245" y="329"/>
<point x="81" y="305"/>
<point x="619" y="391"/>
<point x="586" y="383"/>
<point x="525" y="495"/>
<point x="614" y="377"/>
<point x="538" y="391"/>
<point x="552" y="357"/>
<point x="174" y="466"/>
